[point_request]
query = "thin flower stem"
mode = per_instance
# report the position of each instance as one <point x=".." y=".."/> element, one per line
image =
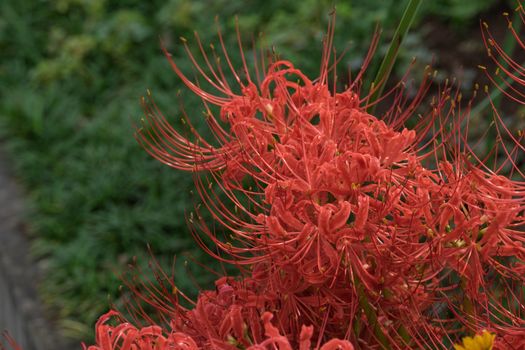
<point x="370" y="314"/>
<point x="401" y="330"/>
<point x="403" y="333"/>
<point x="357" y="328"/>
<point x="468" y="306"/>
<point x="388" y="62"/>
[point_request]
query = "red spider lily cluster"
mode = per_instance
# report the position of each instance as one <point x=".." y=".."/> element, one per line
<point x="350" y="231"/>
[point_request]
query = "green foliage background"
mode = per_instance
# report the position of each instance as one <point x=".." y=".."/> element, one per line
<point x="71" y="75"/>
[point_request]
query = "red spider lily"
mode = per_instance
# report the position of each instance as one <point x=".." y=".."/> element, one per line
<point x="512" y="340"/>
<point x="124" y="336"/>
<point x="364" y="228"/>
<point x="222" y="319"/>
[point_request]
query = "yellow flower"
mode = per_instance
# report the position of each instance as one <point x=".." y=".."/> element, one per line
<point x="483" y="341"/>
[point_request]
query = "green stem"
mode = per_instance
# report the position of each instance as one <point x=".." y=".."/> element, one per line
<point x="403" y="333"/>
<point x="388" y="62"/>
<point x="357" y="327"/>
<point x="370" y="314"/>
<point x="401" y="330"/>
<point x="468" y="306"/>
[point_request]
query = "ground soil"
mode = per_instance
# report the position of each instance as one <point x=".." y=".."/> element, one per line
<point x="22" y="313"/>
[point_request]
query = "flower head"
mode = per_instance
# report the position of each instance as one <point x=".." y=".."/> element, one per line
<point x="372" y="228"/>
<point x="483" y="341"/>
<point x="125" y="336"/>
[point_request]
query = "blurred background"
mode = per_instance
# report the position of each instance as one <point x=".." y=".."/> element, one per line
<point x="71" y="76"/>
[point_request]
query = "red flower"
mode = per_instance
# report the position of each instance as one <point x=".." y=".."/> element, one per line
<point x="125" y="336"/>
<point x="360" y="226"/>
